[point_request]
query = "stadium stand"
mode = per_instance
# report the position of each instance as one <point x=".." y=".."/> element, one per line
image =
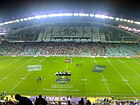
<point x="73" y="49"/>
<point x="69" y="32"/>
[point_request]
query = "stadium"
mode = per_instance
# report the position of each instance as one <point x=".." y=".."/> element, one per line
<point x="65" y="56"/>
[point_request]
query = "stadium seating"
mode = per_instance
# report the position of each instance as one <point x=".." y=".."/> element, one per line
<point x="122" y="50"/>
<point x="74" y="49"/>
<point x="65" y="32"/>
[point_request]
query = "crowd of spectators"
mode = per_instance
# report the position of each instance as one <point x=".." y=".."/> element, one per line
<point x="74" y="49"/>
<point x="40" y="100"/>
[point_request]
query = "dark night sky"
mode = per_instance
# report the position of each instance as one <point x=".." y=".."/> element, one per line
<point x="14" y="8"/>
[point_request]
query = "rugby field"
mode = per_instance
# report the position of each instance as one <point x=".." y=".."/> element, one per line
<point x="121" y="77"/>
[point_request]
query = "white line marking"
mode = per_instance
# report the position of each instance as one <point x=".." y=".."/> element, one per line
<point x="125" y="80"/>
<point x="122" y="77"/>
<point x="104" y="79"/>
<point x="83" y="79"/>
<point x="9" y="64"/>
<point x="129" y="67"/>
<point x="4" y="78"/>
<point x="23" y="79"/>
<point x="105" y="82"/>
<point x="135" y="61"/>
<point x="19" y="82"/>
<point x="41" y="61"/>
<point x="17" y="69"/>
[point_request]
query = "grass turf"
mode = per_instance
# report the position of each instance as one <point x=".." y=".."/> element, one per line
<point x="121" y="76"/>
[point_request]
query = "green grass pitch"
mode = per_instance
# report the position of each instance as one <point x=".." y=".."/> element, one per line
<point x="121" y="76"/>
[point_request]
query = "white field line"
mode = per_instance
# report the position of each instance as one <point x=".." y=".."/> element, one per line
<point x="135" y="61"/>
<point x="103" y="78"/>
<point x="10" y="64"/>
<point x="84" y="76"/>
<point x="41" y="62"/>
<point x="106" y="84"/>
<point x="122" y="77"/>
<point x="19" y="82"/>
<point x="129" y="67"/>
<point x="24" y="77"/>
<point x="17" y="69"/>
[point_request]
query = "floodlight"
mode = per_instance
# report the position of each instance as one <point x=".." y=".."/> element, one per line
<point x="110" y="17"/>
<point x="17" y="20"/>
<point x="76" y="14"/>
<point x="97" y="15"/>
<point x="11" y="22"/>
<point x="107" y="17"/>
<point x="83" y="14"/>
<point x="1" y="24"/>
<point x="44" y="16"/>
<point x="55" y="15"/>
<point x="8" y="22"/>
<point x="60" y="14"/>
<point x="121" y="19"/>
<point x="14" y="21"/>
<point x="91" y="15"/>
<point x="117" y="19"/>
<point x="125" y="20"/>
<point x="21" y="19"/>
<point x="52" y="15"/>
<point x="30" y="18"/>
<point x="38" y="17"/>
<point x="25" y="19"/>
<point x="129" y="21"/>
<point x="68" y="14"/>
<point x="5" y="23"/>
<point x="100" y="16"/>
<point x="137" y="22"/>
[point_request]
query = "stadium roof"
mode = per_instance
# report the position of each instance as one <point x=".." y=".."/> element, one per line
<point x="24" y="8"/>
